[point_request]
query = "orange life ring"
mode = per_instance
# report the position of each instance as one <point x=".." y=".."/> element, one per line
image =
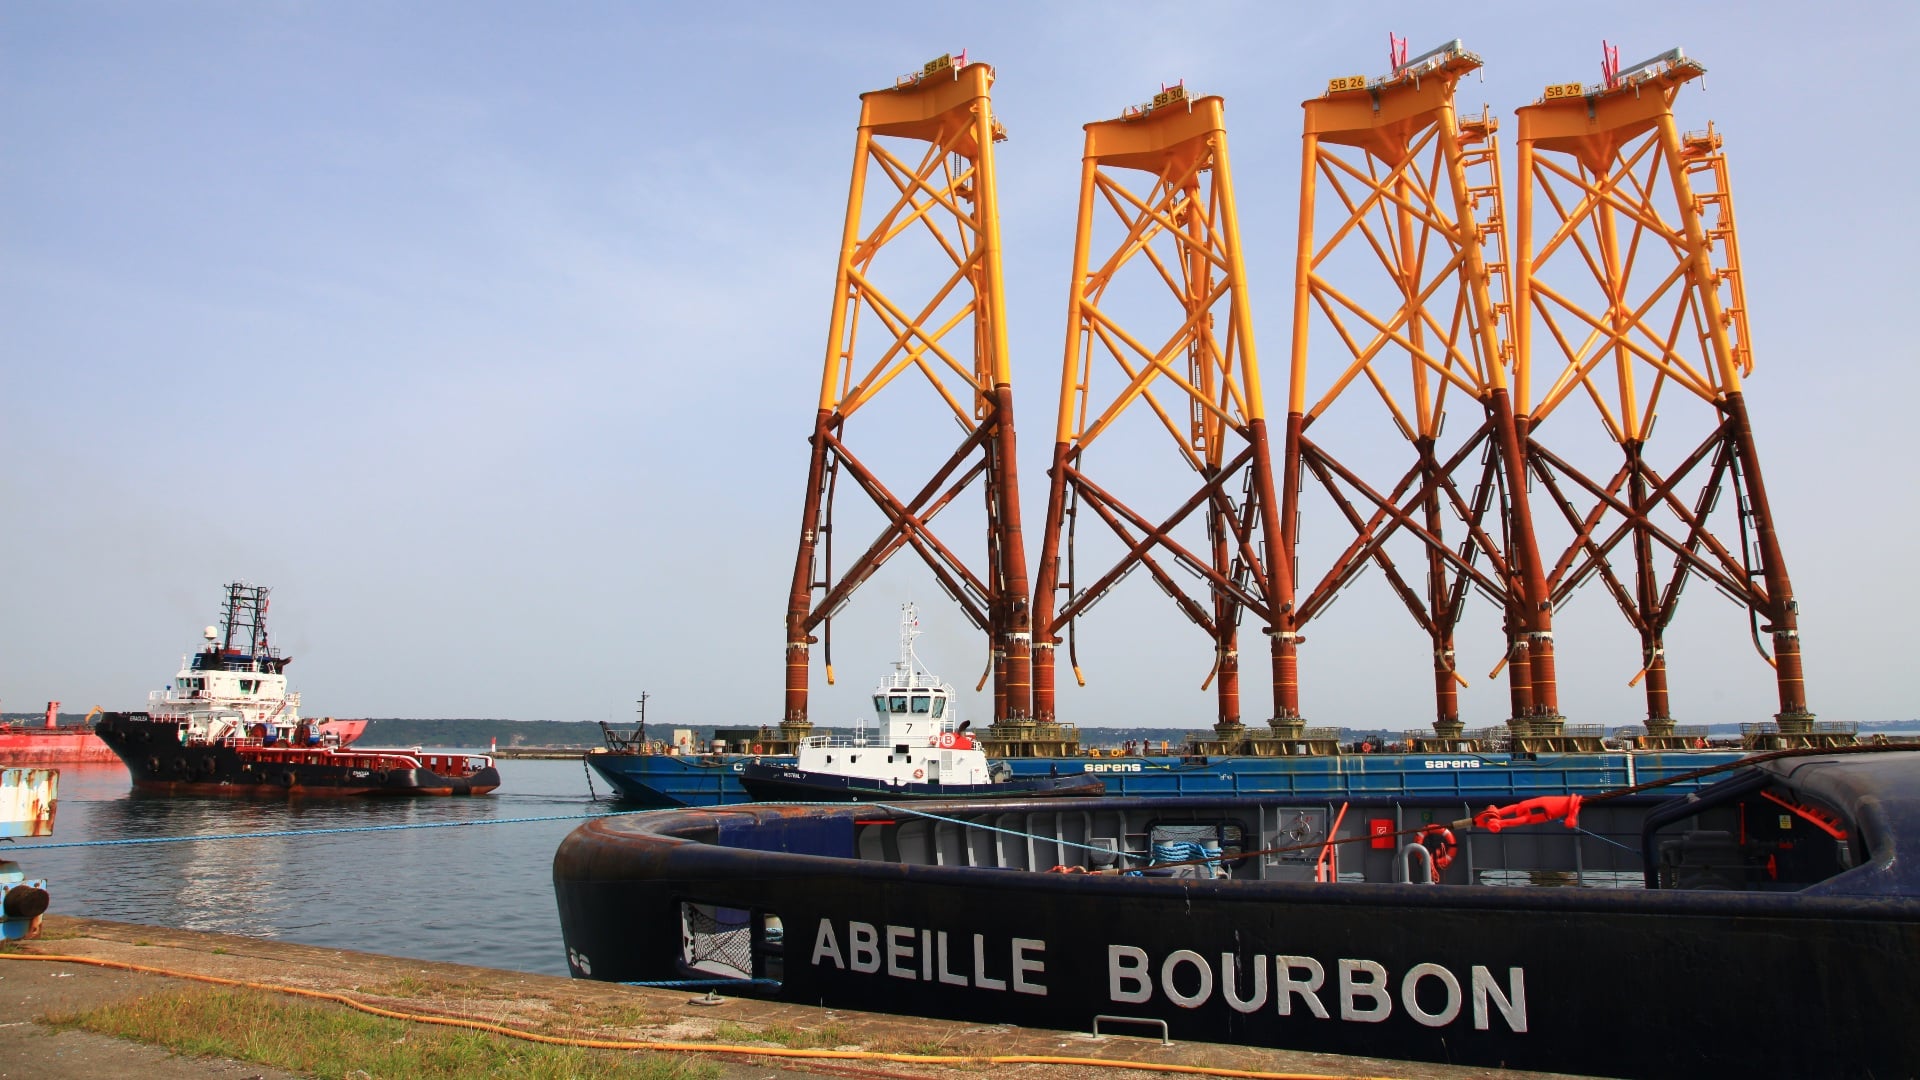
<point x="919" y="774"/>
<point x="1443" y="855"/>
<point x="756" y="749"/>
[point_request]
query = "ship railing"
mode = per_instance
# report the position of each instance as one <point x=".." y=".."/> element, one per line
<point x="1495" y="735"/>
<point x="857" y="741"/>
<point x="1820" y="727"/>
<point x="170" y="696"/>
<point x="1627" y="731"/>
<point x="453" y="764"/>
<point x="456" y="765"/>
<point x="620" y="739"/>
<point x="915" y="682"/>
<point x="285" y="751"/>
<point x="255" y="742"/>
<point x="1059" y="732"/>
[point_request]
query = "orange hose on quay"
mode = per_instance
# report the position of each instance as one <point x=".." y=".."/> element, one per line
<point x="683" y="1047"/>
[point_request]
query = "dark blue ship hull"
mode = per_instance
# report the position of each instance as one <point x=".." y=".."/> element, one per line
<point x="663" y="780"/>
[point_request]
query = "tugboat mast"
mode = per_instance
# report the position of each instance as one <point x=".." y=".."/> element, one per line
<point x="908" y="669"/>
<point x="244" y="645"/>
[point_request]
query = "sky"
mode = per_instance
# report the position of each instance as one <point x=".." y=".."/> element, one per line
<point x="489" y="337"/>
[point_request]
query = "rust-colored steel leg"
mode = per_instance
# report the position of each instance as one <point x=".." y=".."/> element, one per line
<point x="1782" y="612"/>
<point x="1046" y="589"/>
<point x="799" y="600"/>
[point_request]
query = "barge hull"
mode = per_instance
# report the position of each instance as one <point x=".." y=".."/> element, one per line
<point x="661" y="781"/>
<point x="31" y="748"/>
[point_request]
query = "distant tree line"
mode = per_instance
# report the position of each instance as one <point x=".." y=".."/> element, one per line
<point x="475" y="733"/>
<point x="479" y="733"/>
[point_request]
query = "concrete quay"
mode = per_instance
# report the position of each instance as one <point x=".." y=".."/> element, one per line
<point x="30" y="990"/>
<point x="539" y="753"/>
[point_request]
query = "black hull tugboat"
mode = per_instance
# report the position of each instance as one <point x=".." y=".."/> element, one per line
<point x="167" y="757"/>
<point x="229" y="726"/>
<point x="1766" y="925"/>
<point x="919" y="753"/>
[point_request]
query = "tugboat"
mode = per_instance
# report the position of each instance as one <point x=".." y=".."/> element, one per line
<point x="228" y="726"/>
<point x="922" y="755"/>
<point x="1764" y="925"/>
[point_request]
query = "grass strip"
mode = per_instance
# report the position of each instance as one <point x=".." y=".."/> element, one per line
<point x="328" y="1040"/>
<point x="793" y="1038"/>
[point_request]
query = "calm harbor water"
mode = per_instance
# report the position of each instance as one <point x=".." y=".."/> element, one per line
<point x="479" y="894"/>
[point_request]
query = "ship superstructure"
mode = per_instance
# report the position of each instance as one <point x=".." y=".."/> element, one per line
<point x="237" y="683"/>
<point x="921" y="750"/>
<point x="228" y="725"/>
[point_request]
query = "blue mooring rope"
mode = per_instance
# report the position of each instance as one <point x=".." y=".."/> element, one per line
<point x="278" y="833"/>
<point x="694" y="984"/>
<point x="1606" y="840"/>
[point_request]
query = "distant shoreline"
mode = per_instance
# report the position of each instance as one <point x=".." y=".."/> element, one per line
<point x="555" y="737"/>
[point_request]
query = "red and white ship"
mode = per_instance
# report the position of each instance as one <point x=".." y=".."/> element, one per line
<point x="228" y="725"/>
<point x="263" y="700"/>
<point x="199" y="694"/>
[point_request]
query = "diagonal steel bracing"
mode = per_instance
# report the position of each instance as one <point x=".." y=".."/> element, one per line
<point x="1158" y="326"/>
<point x="1402" y="265"/>
<point x="1631" y="300"/>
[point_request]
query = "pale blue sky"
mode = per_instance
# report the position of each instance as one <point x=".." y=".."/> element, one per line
<point x="488" y="336"/>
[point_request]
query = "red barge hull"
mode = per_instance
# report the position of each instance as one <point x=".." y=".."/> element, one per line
<point x="27" y="747"/>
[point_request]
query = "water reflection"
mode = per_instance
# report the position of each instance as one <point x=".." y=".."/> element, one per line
<point x="431" y="893"/>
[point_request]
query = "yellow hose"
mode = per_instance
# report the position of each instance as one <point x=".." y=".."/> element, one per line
<point x="684" y="1047"/>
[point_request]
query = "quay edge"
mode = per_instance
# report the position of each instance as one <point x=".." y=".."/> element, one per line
<point x="519" y="999"/>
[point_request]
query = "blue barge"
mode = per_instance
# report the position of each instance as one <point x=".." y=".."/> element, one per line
<point x="673" y="780"/>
